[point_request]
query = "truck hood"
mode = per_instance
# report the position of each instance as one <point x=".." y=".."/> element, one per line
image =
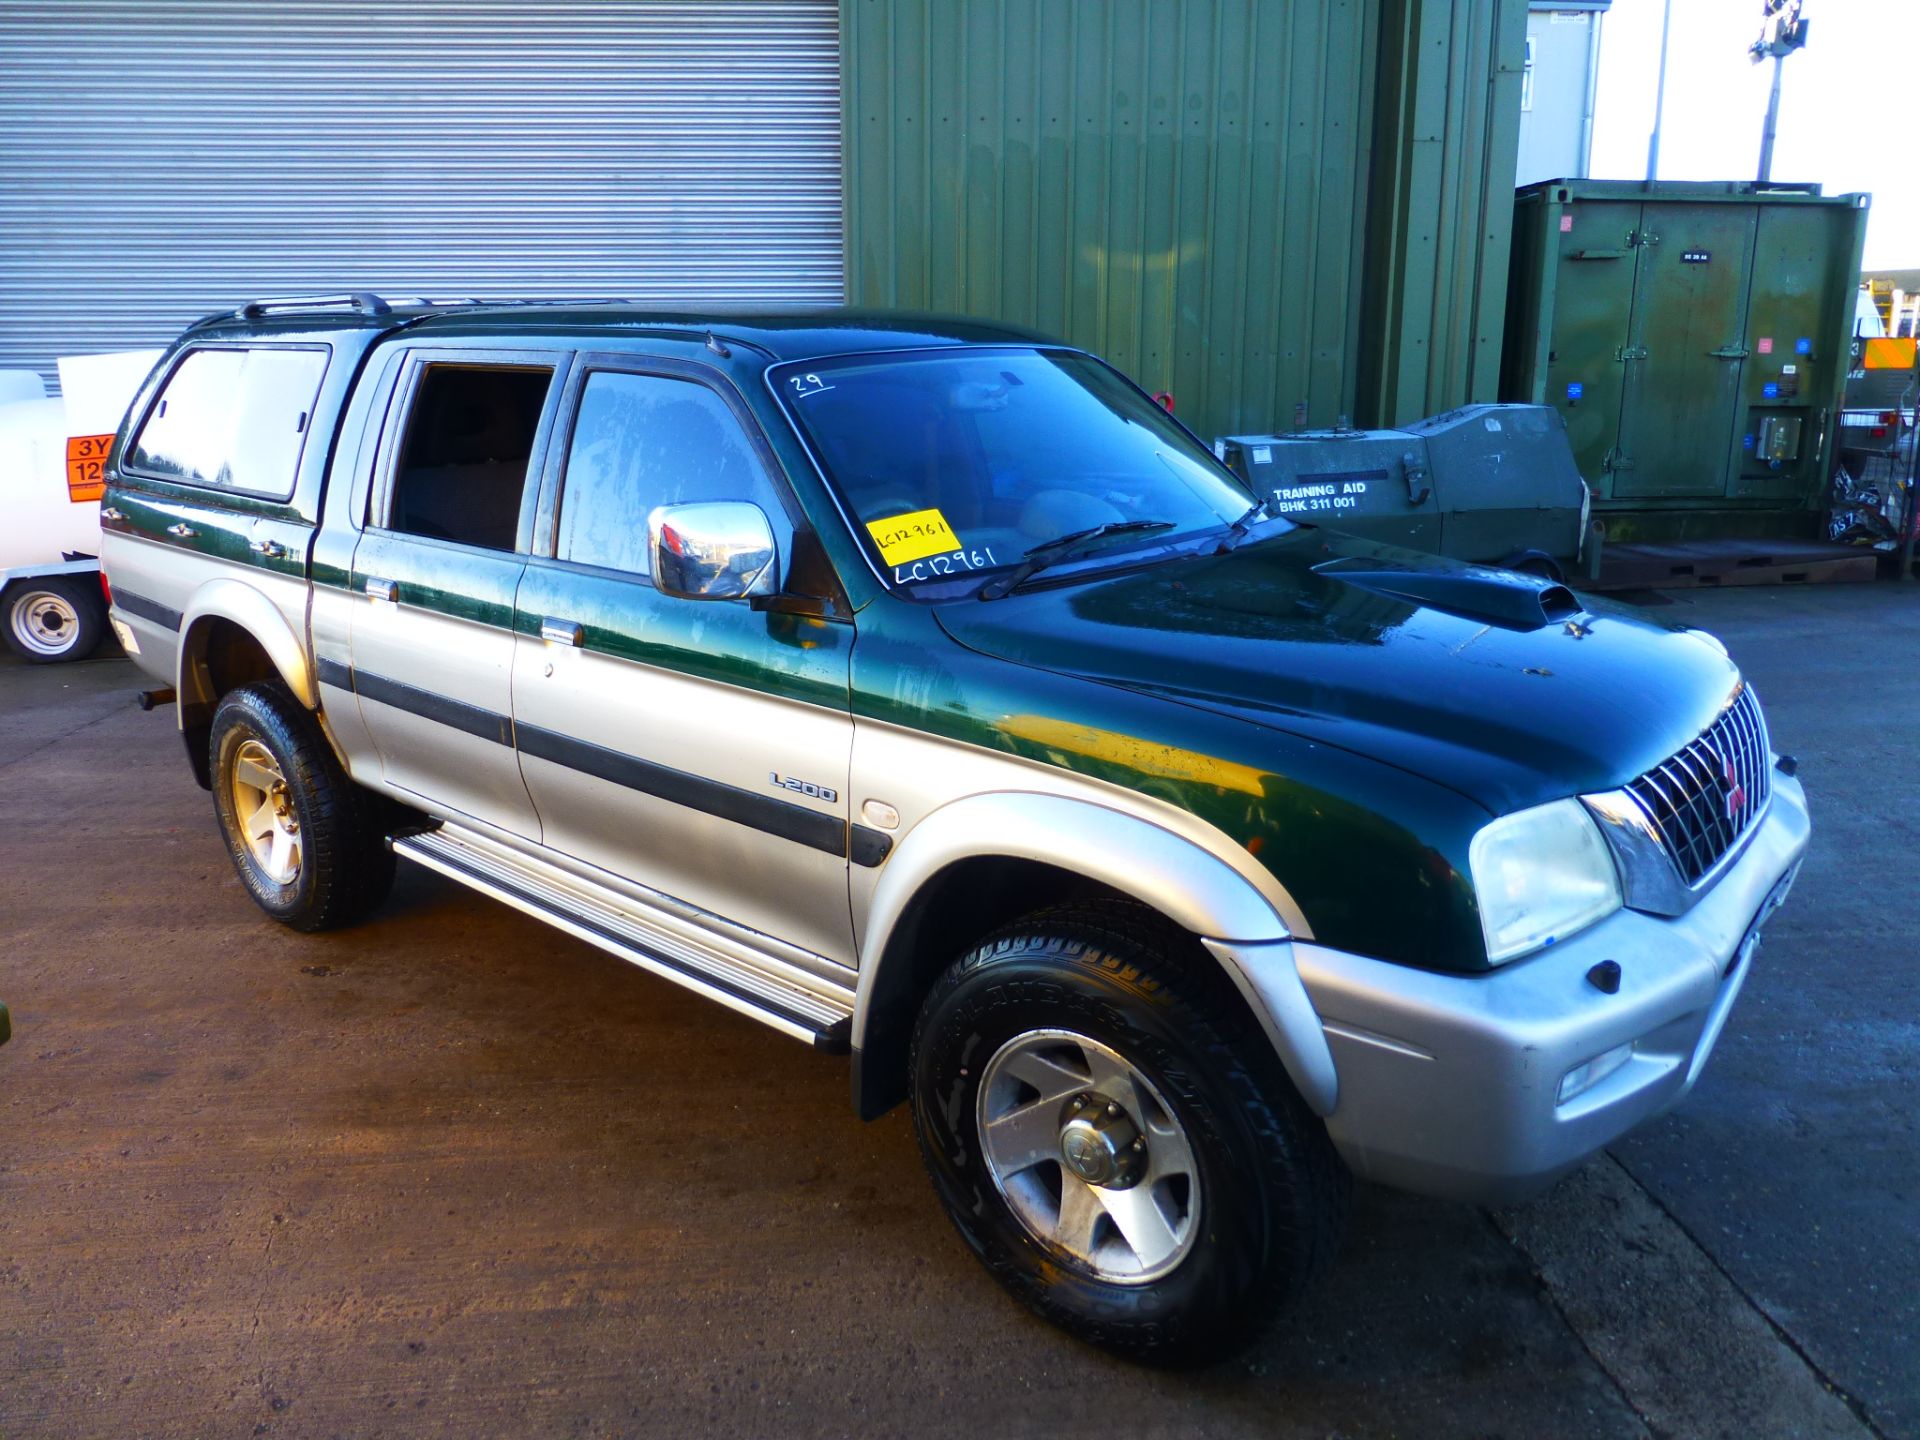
<point x="1408" y="659"/>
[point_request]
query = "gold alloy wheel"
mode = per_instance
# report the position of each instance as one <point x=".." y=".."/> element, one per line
<point x="263" y="809"/>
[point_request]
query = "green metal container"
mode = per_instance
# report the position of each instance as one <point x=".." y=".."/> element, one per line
<point x="1695" y="336"/>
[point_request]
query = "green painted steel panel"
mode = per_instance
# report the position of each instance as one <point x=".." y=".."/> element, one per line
<point x="1447" y="135"/>
<point x="1694" y="315"/>
<point x="1189" y="189"/>
<point x="1683" y="380"/>
<point x="1804" y="276"/>
<point x="1590" y="327"/>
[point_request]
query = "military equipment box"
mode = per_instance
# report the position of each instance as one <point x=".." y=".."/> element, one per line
<point x="1487" y="483"/>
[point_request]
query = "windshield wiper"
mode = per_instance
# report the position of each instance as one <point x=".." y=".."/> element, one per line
<point x="1055" y="550"/>
<point x="1261" y="509"/>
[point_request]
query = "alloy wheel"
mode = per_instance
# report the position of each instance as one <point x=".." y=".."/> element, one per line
<point x="1089" y="1156"/>
<point x="263" y="809"/>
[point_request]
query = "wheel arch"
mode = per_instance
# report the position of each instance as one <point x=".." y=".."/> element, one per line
<point x="986" y="859"/>
<point x="1530" y="560"/>
<point x="230" y="635"/>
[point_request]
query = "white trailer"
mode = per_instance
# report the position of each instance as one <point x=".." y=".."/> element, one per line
<point x="53" y="456"/>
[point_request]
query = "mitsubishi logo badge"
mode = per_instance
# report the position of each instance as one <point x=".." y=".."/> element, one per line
<point x="1736" y="792"/>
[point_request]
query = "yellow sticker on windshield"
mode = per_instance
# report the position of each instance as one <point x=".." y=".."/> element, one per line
<point x="903" y="538"/>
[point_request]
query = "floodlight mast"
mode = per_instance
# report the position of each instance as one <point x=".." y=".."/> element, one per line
<point x="1659" y="93"/>
<point x="1782" y="31"/>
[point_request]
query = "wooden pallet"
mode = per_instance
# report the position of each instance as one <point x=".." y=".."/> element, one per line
<point x="1696" y="564"/>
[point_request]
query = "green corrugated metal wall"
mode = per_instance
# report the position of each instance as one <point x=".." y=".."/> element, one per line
<point x="1447" y="136"/>
<point x="1185" y="186"/>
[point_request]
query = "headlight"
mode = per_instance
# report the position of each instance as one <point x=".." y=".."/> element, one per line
<point x="1540" y="876"/>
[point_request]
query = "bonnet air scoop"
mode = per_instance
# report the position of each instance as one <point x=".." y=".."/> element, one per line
<point x="1497" y="597"/>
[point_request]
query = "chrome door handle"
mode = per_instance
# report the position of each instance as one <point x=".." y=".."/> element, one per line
<point x="180" y="528"/>
<point x="561" y="632"/>
<point x="272" y="549"/>
<point x="107" y="512"/>
<point x="378" y="589"/>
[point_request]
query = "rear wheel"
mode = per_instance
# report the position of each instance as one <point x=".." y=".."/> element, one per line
<point x="1114" y="1137"/>
<point x="59" y="618"/>
<point x="307" y="842"/>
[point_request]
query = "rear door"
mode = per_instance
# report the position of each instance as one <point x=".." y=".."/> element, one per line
<point x="696" y="748"/>
<point x="435" y="574"/>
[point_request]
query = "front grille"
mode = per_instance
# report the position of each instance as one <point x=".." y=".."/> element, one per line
<point x="1704" y="798"/>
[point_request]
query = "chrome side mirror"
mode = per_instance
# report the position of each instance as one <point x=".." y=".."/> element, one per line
<point x="715" y="550"/>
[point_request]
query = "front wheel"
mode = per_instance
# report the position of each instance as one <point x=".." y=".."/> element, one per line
<point x="1114" y="1137"/>
<point x="59" y="618"/>
<point x="1536" y="563"/>
<point x="306" y="840"/>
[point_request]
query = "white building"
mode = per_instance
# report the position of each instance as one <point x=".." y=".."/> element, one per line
<point x="1557" y="89"/>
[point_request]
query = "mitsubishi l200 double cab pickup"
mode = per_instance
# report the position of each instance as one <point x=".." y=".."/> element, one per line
<point x="921" y="689"/>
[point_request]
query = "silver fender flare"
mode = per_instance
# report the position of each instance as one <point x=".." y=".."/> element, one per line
<point x="225" y="598"/>
<point x="1197" y="890"/>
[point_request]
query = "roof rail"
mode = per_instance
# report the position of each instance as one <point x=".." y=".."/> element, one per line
<point x="360" y="300"/>
<point x="433" y="302"/>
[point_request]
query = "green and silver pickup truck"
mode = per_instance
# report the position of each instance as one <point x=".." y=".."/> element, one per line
<point x="921" y="689"/>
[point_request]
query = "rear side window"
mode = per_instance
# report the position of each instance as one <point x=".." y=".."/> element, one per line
<point x="469" y="443"/>
<point x="231" y="418"/>
<point x="646" y="440"/>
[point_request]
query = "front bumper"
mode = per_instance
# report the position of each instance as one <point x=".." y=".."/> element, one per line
<point x="1451" y="1084"/>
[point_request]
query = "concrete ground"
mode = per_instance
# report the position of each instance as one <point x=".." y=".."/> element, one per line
<point x="453" y="1173"/>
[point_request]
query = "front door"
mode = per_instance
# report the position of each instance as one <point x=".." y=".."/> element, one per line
<point x="695" y="748"/>
<point x="435" y="574"/>
<point x="1689" y="322"/>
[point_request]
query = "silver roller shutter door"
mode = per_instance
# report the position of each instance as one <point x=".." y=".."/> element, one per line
<point x="165" y="160"/>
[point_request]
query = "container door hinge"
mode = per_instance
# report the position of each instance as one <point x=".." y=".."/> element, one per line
<point x="1730" y="352"/>
<point x="1617" y="459"/>
<point x="1630" y="352"/>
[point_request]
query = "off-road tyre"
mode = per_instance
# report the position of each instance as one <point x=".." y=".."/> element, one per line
<point x="1273" y="1193"/>
<point x="346" y="862"/>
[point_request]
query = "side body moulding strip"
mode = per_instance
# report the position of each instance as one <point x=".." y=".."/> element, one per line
<point x="146" y="609"/>
<point x="766" y="813"/>
<point x="1178" y="878"/>
<point x="456" y="714"/>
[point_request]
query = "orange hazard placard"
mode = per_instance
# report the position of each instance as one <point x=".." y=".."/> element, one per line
<point x="87" y="466"/>
<point x="1888" y="355"/>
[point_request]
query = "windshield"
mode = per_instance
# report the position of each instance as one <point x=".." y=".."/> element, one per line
<point x="961" y="461"/>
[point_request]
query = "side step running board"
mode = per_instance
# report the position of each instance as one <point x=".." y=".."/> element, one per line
<point x="435" y="852"/>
